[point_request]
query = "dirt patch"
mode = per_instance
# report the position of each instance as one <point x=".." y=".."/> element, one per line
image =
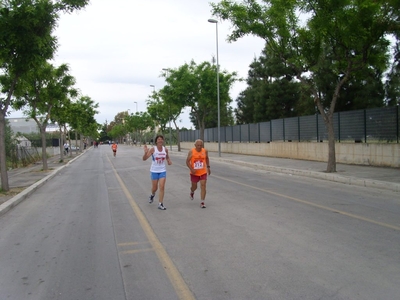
<point x="5" y="196"/>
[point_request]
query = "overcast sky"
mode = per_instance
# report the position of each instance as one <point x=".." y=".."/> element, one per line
<point x="117" y="49"/>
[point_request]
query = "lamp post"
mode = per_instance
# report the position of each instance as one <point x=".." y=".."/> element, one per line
<point x="136" y="106"/>
<point x="154" y="91"/>
<point x="169" y="117"/>
<point x="219" y="114"/>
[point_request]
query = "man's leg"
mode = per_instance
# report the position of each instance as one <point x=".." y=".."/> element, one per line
<point x="193" y="187"/>
<point x="203" y="193"/>
<point x="203" y="189"/>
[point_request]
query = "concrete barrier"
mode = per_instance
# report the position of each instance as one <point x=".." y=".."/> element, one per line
<point x="382" y="155"/>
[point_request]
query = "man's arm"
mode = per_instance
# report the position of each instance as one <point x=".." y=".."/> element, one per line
<point x="188" y="162"/>
<point x="208" y="163"/>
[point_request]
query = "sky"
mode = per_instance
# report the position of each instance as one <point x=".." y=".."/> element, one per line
<point x="117" y="49"/>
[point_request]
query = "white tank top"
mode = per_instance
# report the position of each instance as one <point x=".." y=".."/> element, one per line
<point x="158" y="159"/>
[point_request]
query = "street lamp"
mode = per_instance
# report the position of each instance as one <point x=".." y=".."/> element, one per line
<point x="219" y="115"/>
<point x="136" y="106"/>
<point x="154" y="91"/>
<point x="169" y="115"/>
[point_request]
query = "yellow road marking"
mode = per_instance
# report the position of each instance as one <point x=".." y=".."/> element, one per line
<point x="132" y="243"/>
<point x="182" y="290"/>
<point x="137" y="251"/>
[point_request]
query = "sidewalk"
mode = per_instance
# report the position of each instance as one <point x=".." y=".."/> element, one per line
<point x="24" y="181"/>
<point x="30" y="178"/>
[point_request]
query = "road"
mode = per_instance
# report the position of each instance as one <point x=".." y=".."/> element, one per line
<point x="89" y="233"/>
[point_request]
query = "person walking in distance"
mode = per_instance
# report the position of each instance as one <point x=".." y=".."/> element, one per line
<point x="66" y="148"/>
<point x="158" y="171"/>
<point x="199" y="165"/>
<point x="114" y="147"/>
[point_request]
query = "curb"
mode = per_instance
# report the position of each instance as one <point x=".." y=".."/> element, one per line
<point x="14" y="201"/>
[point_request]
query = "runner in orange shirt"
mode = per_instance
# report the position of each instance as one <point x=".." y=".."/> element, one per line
<point x="199" y="165"/>
<point x="114" y="147"/>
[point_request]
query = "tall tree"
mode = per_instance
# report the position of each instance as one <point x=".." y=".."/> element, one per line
<point x="81" y="118"/>
<point x="26" y="42"/>
<point x="139" y="122"/>
<point x="195" y="86"/>
<point x="273" y="91"/>
<point x="338" y="37"/>
<point x="392" y="86"/>
<point x="46" y="88"/>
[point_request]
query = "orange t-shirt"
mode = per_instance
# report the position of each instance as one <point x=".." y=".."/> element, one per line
<point x="114" y="147"/>
<point x="198" y="162"/>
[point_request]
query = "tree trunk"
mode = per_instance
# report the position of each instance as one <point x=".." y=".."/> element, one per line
<point x="62" y="138"/>
<point x="3" y="157"/>
<point x="76" y="142"/>
<point x="178" y="140"/>
<point x="202" y="126"/>
<point x="44" y="153"/>
<point x="331" y="167"/>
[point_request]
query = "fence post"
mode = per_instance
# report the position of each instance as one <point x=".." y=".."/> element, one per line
<point x="397" y="122"/>
<point x="339" y="130"/>
<point x="270" y="131"/>
<point x="365" y="126"/>
<point x="298" y="127"/>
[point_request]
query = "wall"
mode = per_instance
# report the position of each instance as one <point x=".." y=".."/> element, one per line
<point x="384" y="155"/>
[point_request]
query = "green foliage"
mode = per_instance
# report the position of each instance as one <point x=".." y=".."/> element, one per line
<point x="26" y="43"/>
<point x="195" y="86"/>
<point x="140" y="123"/>
<point x="81" y="116"/>
<point x="272" y="93"/>
<point x="333" y="42"/>
<point x="392" y="86"/>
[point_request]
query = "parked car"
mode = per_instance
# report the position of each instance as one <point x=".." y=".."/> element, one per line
<point x="74" y="148"/>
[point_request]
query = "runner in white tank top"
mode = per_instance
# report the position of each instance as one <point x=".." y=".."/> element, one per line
<point x="158" y="171"/>
<point x="158" y="159"/>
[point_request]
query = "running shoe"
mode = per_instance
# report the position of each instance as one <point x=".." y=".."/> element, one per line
<point x="161" y="206"/>
<point x="191" y="195"/>
<point x="202" y="205"/>
<point x="151" y="198"/>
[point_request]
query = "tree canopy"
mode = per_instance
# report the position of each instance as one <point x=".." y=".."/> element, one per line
<point x="318" y="39"/>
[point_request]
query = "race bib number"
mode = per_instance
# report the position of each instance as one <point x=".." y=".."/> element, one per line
<point x="198" y="165"/>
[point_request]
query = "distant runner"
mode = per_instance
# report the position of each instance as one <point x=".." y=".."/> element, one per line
<point x="114" y="147"/>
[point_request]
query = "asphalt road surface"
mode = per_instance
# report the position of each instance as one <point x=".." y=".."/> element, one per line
<point x="90" y="233"/>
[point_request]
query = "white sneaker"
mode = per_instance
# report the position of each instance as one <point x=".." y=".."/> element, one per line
<point x="161" y="206"/>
